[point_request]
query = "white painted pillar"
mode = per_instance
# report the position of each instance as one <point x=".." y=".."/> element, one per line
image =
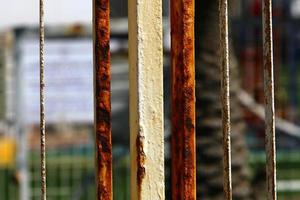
<point x="146" y="99"/>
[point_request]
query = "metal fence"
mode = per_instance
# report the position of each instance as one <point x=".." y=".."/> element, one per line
<point x="146" y="100"/>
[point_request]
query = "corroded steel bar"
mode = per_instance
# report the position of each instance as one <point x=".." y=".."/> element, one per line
<point x="42" y="103"/>
<point x="146" y="99"/>
<point x="269" y="99"/>
<point x="102" y="96"/>
<point x="225" y="98"/>
<point x="183" y="100"/>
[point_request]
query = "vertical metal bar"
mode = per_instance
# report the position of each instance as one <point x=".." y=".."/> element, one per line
<point x="42" y="103"/>
<point x="146" y="99"/>
<point x="102" y="95"/>
<point x="183" y="100"/>
<point x="269" y="99"/>
<point x="225" y="98"/>
<point x="22" y="159"/>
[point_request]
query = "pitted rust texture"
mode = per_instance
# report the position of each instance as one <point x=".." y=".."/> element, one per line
<point x="141" y="171"/>
<point x="102" y="78"/>
<point x="183" y="100"/>
<point x="225" y="98"/>
<point x="269" y="100"/>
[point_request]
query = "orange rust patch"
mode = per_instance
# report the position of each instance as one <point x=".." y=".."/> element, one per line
<point x="141" y="171"/>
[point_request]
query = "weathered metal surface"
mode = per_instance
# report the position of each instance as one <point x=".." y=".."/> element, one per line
<point x="225" y="98"/>
<point x="146" y="99"/>
<point x="42" y="103"/>
<point x="102" y="101"/>
<point x="269" y="99"/>
<point x="140" y="161"/>
<point x="183" y="100"/>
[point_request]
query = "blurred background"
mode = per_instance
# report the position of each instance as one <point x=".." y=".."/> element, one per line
<point x="69" y="99"/>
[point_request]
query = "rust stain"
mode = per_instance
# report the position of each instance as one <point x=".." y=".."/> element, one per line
<point x="102" y="78"/>
<point x="183" y="100"/>
<point x="141" y="171"/>
<point x="269" y="100"/>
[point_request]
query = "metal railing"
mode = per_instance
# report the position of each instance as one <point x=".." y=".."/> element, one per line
<point x="146" y="99"/>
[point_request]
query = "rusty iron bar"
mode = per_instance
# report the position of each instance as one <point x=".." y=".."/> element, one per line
<point x="42" y="103"/>
<point x="102" y="96"/>
<point x="183" y="100"/>
<point x="269" y="100"/>
<point x="225" y="98"/>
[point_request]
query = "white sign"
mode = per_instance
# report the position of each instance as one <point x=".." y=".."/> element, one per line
<point x="69" y="80"/>
<point x="295" y="8"/>
<point x="57" y="12"/>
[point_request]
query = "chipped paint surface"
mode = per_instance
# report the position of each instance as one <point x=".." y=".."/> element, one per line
<point x="183" y="100"/>
<point x="146" y="99"/>
<point x="102" y="77"/>
<point x="269" y="100"/>
<point x="225" y="99"/>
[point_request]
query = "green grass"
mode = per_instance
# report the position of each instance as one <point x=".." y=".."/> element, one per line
<point x="8" y="184"/>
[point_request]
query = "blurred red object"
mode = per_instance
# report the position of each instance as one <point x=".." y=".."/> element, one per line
<point x="255" y="7"/>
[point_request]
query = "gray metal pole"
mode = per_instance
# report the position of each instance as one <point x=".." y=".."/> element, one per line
<point x="21" y="131"/>
<point x="23" y="155"/>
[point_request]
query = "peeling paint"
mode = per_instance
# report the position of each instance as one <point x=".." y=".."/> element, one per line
<point x="141" y="171"/>
<point x="146" y="99"/>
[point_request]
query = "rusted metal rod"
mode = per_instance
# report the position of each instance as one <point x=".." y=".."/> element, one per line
<point x="225" y="98"/>
<point x="183" y="100"/>
<point x="102" y="95"/>
<point x="269" y="99"/>
<point x="42" y="103"/>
